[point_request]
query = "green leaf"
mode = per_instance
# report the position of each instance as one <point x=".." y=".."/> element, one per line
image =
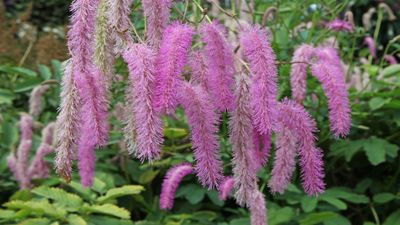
<point x="339" y="204"/>
<point x="368" y="223"/>
<point x="391" y="70"/>
<point x="41" y="207"/>
<point x="84" y="192"/>
<point x="18" y="70"/>
<point x="175" y="133"/>
<point x="338" y="220"/>
<point x="76" y="220"/>
<point x="99" y="186"/>
<point x="384" y="197"/>
<point x="213" y="196"/>
<point x="121" y="191"/>
<point x="316" y="218"/>
<point x="71" y="201"/>
<point x="27" y="85"/>
<point x="57" y="68"/>
<point x="376" y="103"/>
<point x="23" y="195"/>
<point x="204" y="216"/>
<point x="10" y="137"/>
<point x="241" y="221"/>
<point x="280" y="216"/>
<point x="194" y="193"/>
<point x="376" y="149"/>
<point x="6" y="96"/>
<point x="308" y="204"/>
<point x="110" y="209"/>
<point x="6" y="214"/>
<point x="393" y="219"/>
<point x="106" y="220"/>
<point x="347" y="195"/>
<point x="148" y="176"/>
<point x="346" y="148"/>
<point x="44" y="72"/>
<point x="36" y="221"/>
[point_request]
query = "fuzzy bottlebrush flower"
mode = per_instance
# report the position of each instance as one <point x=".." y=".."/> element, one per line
<point x="26" y="127"/>
<point x="390" y="59"/>
<point x="295" y="125"/>
<point x="91" y="87"/>
<point x="67" y="124"/>
<point x="264" y="71"/>
<point x="22" y="163"/>
<point x="241" y="127"/>
<point x="221" y="69"/>
<point x="119" y="21"/>
<point x="149" y="126"/>
<point x="157" y="13"/>
<point x="284" y="166"/>
<point x="262" y="147"/>
<point x="369" y="41"/>
<point x="199" y="70"/>
<point x="171" y="183"/>
<point x="12" y="165"/>
<point x="258" y="211"/>
<point x="225" y="188"/>
<point x="35" y="100"/>
<point x="171" y="58"/>
<point x="329" y="72"/>
<point x="340" y="25"/>
<point x="298" y="75"/>
<point x="203" y="122"/>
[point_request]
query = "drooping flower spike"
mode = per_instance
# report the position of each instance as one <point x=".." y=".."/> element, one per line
<point x="171" y="183"/>
<point x="298" y="74"/>
<point x="258" y="209"/>
<point x="171" y="58"/>
<point x="329" y="72"/>
<point x="221" y="69"/>
<point x="67" y="124"/>
<point x="340" y="25"/>
<point x="390" y="59"/>
<point x="200" y="73"/>
<point x="258" y="51"/>
<point x="225" y="188"/>
<point x="262" y="147"/>
<point x="296" y="126"/>
<point x="241" y="128"/>
<point x="203" y="122"/>
<point x="148" y="123"/>
<point x="369" y="41"/>
<point x="35" y="100"/>
<point x="157" y="14"/>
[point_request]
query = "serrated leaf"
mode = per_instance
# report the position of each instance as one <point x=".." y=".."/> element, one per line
<point x="86" y="193"/>
<point x="121" y="191"/>
<point x="41" y="207"/>
<point x="76" y="220"/>
<point x="6" y="214"/>
<point x="71" y="201"/>
<point x="23" y="195"/>
<point x="110" y="209"/>
<point x="316" y="218"/>
<point x="36" y="221"/>
<point x="99" y="186"/>
<point x="376" y="150"/>
<point x="204" y="216"/>
<point x="107" y="220"/>
<point x="384" y="197"/>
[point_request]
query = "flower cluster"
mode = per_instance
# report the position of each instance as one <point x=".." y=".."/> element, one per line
<point x="157" y="88"/>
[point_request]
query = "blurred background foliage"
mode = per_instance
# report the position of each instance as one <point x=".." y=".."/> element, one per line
<point x="362" y="171"/>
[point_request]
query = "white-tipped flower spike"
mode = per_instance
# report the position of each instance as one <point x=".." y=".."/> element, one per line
<point x="258" y="210"/>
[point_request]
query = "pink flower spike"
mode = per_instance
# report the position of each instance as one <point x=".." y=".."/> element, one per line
<point x="203" y="122"/>
<point x="294" y="118"/>
<point x="225" y="188"/>
<point x="39" y="168"/>
<point x="241" y="128"/>
<point x="261" y="56"/>
<point x="26" y="127"/>
<point x="35" y="100"/>
<point x="23" y="163"/>
<point x="119" y="20"/>
<point x="221" y="68"/>
<point x="390" y="59"/>
<point x="157" y="13"/>
<point x="170" y="60"/>
<point x="149" y="126"/>
<point x="329" y="72"/>
<point x="12" y="165"/>
<point x="298" y="74"/>
<point x="258" y="210"/>
<point x="370" y="42"/>
<point x="171" y="183"/>
<point x="86" y="159"/>
<point x="199" y="70"/>
<point x="340" y="25"/>
<point x="262" y="147"/>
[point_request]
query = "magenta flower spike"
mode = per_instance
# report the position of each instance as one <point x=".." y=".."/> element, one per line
<point x="23" y="151"/>
<point x="221" y="68"/>
<point x="331" y="75"/>
<point x="390" y="59"/>
<point x="200" y="72"/>
<point x="171" y="58"/>
<point x="370" y="42"/>
<point x="340" y="25"/>
<point x="241" y="127"/>
<point x="157" y="14"/>
<point x="203" y="122"/>
<point x="263" y="89"/>
<point x="298" y="74"/>
<point x="225" y="188"/>
<point x="119" y="20"/>
<point x="26" y="127"/>
<point x="262" y="147"/>
<point x="171" y="183"/>
<point x="149" y="126"/>
<point x="12" y="165"/>
<point x="258" y="210"/>
<point x="35" y="100"/>
<point x="294" y="118"/>
<point x="39" y="168"/>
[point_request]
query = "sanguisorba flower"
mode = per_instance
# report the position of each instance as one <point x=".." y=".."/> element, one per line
<point x="262" y="147"/>
<point x="35" y="100"/>
<point x="67" y="124"/>
<point x="221" y="69"/>
<point x="340" y="25"/>
<point x="390" y="59"/>
<point x="171" y="183"/>
<point x="296" y="126"/>
<point x="203" y="122"/>
<point x="148" y="123"/>
<point x="370" y="42"/>
<point x="258" y="209"/>
<point x="241" y="129"/>
<point x="329" y="72"/>
<point x="225" y="188"/>
<point x="261" y="57"/>
<point x="170" y="61"/>
<point x="298" y="75"/>
<point x="157" y="14"/>
<point x="200" y="74"/>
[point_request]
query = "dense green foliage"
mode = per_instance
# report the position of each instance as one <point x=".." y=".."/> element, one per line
<point x="362" y="171"/>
